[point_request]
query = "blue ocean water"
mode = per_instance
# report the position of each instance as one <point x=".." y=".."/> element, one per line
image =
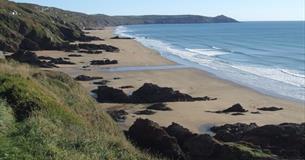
<point x="266" y="56"/>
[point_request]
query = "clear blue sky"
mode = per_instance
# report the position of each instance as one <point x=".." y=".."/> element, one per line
<point x="244" y="10"/>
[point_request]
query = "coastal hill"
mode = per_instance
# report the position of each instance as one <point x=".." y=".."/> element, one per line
<point x="34" y="27"/>
<point x="99" y="20"/>
<point x="25" y="27"/>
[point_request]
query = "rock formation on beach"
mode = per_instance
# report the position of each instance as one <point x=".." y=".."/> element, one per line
<point x="148" y="93"/>
<point x="177" y="142"/>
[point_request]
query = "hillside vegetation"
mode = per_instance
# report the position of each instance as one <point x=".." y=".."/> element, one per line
<point x="24" y="27"/>
<point x="47" y="115"/>
<point x="34" y="27"/>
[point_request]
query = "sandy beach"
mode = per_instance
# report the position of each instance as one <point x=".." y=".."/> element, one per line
<point x="192" y="115"/>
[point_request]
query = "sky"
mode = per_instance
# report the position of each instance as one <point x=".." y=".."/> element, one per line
<point x="242" y="10"/>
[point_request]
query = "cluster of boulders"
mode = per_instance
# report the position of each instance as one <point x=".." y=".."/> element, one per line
<point x="238" y="109"/>
<point x="285" y="140"/>
<point x="177" y="142"/>
<point x="103" y="62"/>
<point x="107" y="48"/>
<point x="30" y="58"/>
<point x="89" y="48"/>
<point x="148" y="93"/>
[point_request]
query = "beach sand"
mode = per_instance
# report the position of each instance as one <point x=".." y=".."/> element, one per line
<point x="192" y="115"/>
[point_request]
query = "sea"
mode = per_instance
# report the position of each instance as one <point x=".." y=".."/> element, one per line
<point x="266" y="56"/>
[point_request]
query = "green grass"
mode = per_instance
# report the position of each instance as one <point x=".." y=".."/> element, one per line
<point x="256" y="153"/>
<point x="47" y="115"/>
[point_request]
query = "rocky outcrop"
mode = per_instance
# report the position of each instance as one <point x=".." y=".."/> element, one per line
<point x="109" y="95"/>
<point x="151" y="93"/>
<point x="118" y="37"/>
<point x="177" y="142"/>
<point x="61" y="61"/>
<point x="285" y="140"/>
<point x="145" y="112"/>
<point x="179" y="132"/>
<point x="86" y="78"/>
<point x="148" y="93"/>
<point x="232" y="132"/>
<point x="150" y="136"/>
<point x="272" y="109"/>
<point x="103" y="62"/>
<point x="91" y="51"/>
<point x="107" y="48"/>
<point x="236" y="108"/>
<point x="102" y="82"/>
<point x="159" y="107"/>
<point x="30" y="58"/>
<point x="86" y="38"/>
<point x="74" y="55"/>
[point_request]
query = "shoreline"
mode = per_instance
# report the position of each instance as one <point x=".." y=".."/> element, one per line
<point x="234" y="77"/>
<point x="192" y="115"/>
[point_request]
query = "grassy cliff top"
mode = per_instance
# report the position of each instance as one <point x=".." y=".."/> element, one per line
<point x="47" y="115"/>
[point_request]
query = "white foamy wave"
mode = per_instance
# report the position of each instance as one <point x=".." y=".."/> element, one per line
<point x="122" y="31"/>
<point x="282" y="75"/>
<point x="208" y="52"/>
<point x="164" y="47"/>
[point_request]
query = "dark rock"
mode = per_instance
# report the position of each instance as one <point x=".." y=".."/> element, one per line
<point x="86" y="38"/>
<point x="234" y="108"/>
<point x="118" y="115"/>
<point x="159" y="107"/>
<point x="270" y="109"/>
<point x="179" y="132"/>
<point x="237" y="114"/>
<point x="46" y="58"/>
<point x="75" y="55"/>
<point x="107" y="48"/>
<point x="102" y="82"/>
<point x="86" y="78"/>
<point x="118" y="37"/>
<point x="201" y="147"/>
<point x="232" y="132"/>
<point x="104" y="62"/>
<point x="145" y="112"/>
<point x="126" y="87"/>
<point x="108" y="94"/>
<point x="255" y="112"/>
<point x="151" y="93"/>
<point x="61" y="61"/>
<point x="286" y="140"/>
<point x="30" y="58"/>
<point x="90" y="51"/>
<point x="150" y="136"/>
<point x="116" y="78"/>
